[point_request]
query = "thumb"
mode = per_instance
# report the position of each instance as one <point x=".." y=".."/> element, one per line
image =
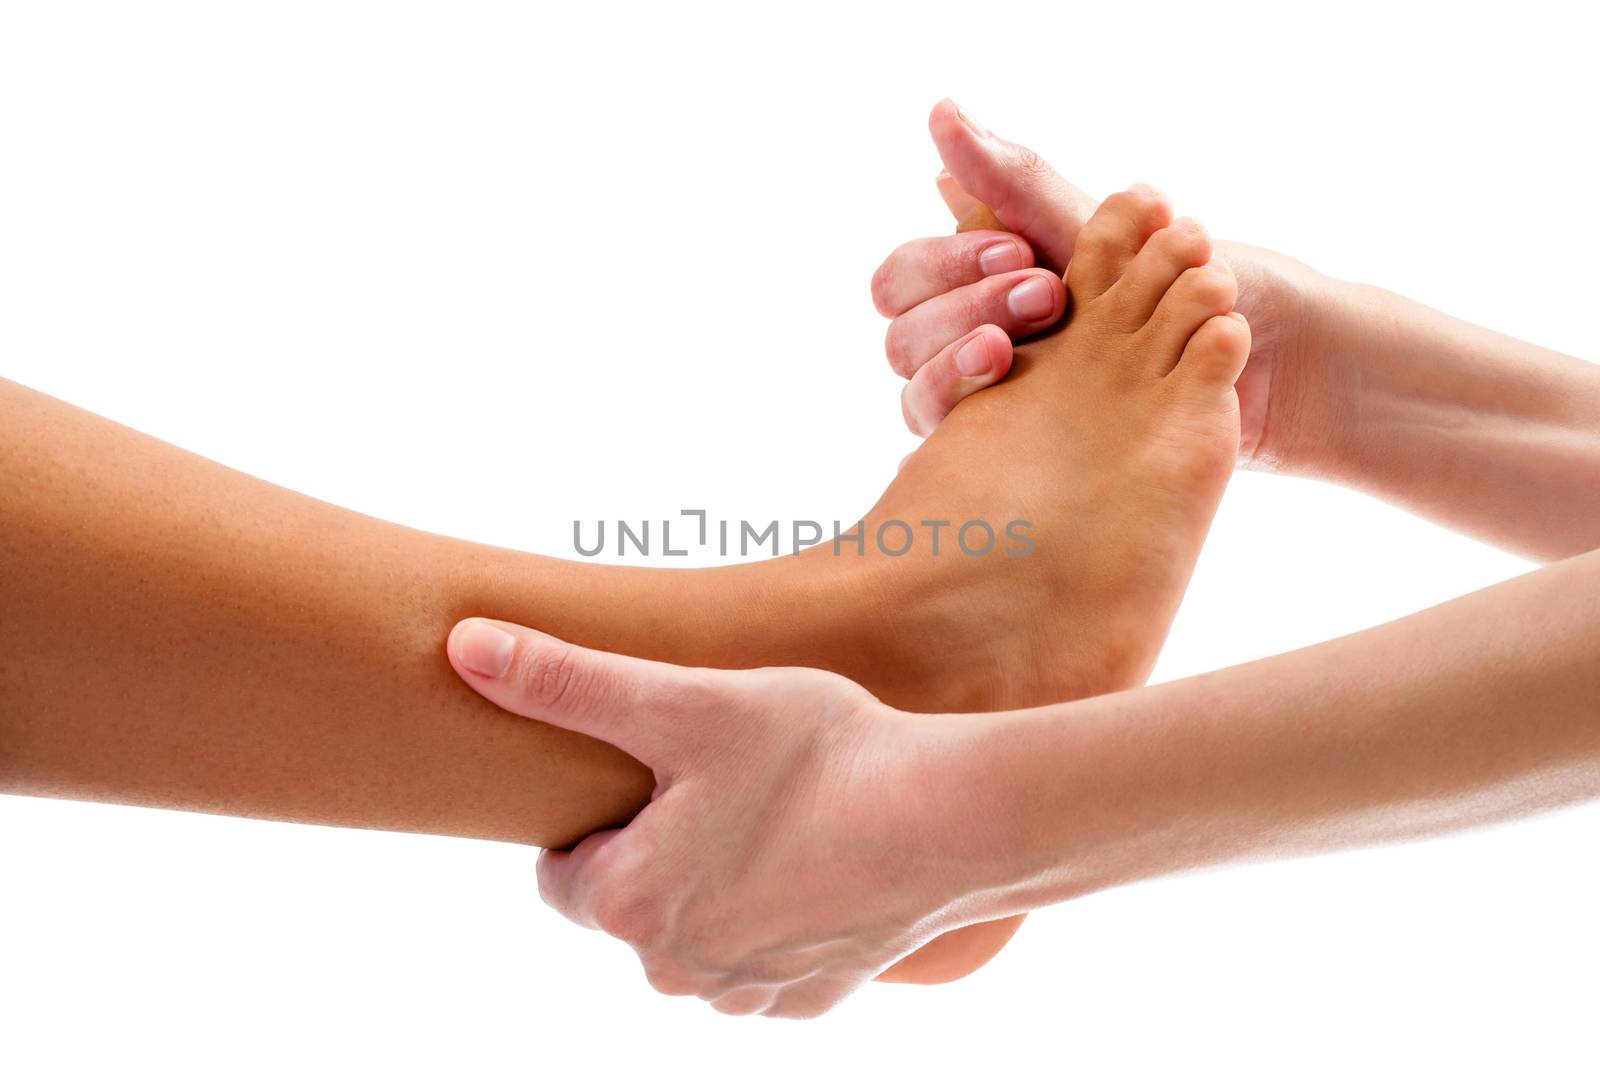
<point x="615" y="698"/>
<point x="1029" y="198"/>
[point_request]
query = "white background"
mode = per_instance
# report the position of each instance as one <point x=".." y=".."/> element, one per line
<point x="485" y="268"/>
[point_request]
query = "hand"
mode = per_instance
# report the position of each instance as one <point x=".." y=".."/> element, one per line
<point x="780" y="794"/>
<point x="954" y="318"/>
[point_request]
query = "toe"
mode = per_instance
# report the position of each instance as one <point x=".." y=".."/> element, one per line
<point x="1216" y="354"/>
<point x="1112" y="238"/>
<point x="1170" y="251"/>
<point x="1199" y="294"/>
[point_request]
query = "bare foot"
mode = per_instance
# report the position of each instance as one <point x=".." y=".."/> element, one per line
<point x="1114" y="439"/>
<point x="1293" y="347"/>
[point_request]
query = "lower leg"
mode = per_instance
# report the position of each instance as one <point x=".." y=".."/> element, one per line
<point x="179" y="634"/>
<point x="174" y="633"/>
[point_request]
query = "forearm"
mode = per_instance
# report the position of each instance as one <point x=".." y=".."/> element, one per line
<point x="1489" y="435"/>
<point x="175" y="633"/>
<point x="1484" y="708"/>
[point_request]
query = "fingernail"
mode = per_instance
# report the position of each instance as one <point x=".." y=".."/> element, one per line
<point x="1032" y="300"/>
<point x="1144" y="188"/>
<point x="1000" y="258"/>
<point x="972" y="358"/>
<point x="484" y="649"/>
<point x="972" y="123"/>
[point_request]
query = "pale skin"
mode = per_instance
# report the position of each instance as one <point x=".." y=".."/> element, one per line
<point x="1485" y="434"/>
<point x="780" y="864"/>
<point x="1488" y="435"/>
<point x="1481" y="709"/>
<point x="178" y="634"/>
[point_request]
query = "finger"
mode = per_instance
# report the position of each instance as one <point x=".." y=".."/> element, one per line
<point x="810" y="998"/>
<point x="924" y="268"/>
<point x="747" y="1001"/>
<point x="970" y="212"/>
<point x="566" y="877"/>
<point x="1029" y="198"/>
<point x="617" y="699"/>
<point x="965" y="366"/>
<point x="673" y="980"/>
<point x="1021" y="303"/>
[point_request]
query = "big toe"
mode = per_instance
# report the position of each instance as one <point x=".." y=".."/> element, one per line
<point x="1111" y="239"/>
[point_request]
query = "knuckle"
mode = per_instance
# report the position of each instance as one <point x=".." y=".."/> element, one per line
<point x="897" y="346"/>
<point x="982" y="304"/>
<point x="1031" y="169"/>
<point x="549" y="893"/>
<point x="690" y="696"/>
<point x="883" y="285"/>
<point x="628" y="915"/>
<point x="670" y="979"/>
<point x="954" y="262"/>
<point x="549" y="675"/>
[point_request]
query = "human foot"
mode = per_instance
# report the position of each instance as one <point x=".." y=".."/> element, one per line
<point x="1292" y="369"/>
<point x="1113" y="438"/>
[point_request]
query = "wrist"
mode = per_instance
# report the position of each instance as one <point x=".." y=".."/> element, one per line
<point x="1310" y="336"/>
<point x="1394" y="379"/>
<point x="1046" y="805"/>
<point x="1001" y="803"/>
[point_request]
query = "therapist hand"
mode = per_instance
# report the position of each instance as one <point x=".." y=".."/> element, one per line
<point x="958" y="302"/>
<point x="781" y="795"/>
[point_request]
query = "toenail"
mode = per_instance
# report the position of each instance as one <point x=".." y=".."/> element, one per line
<point x="1031" y="300"/>
<point x="1001" y="258"/>
<point x="972" y="358"/>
